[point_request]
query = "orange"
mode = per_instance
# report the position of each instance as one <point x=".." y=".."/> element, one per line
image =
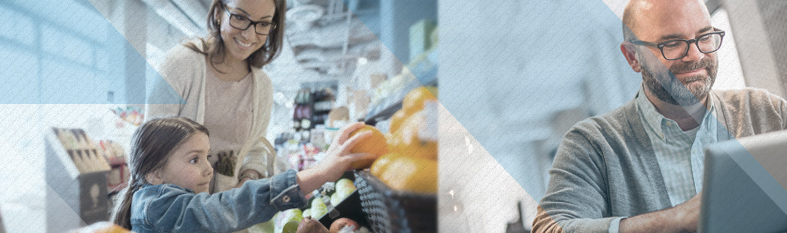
<point x="396" y="120"/>
<point x="414" y="100"/>
<point x="406" y="140"/>
<point x="382" y="163"/>
<point x="375" y="144"/>
<point x="411" y="174"/>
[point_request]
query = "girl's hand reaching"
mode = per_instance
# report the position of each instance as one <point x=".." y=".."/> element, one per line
<point x="336" y="162"/>
<point x="339" y="151"/>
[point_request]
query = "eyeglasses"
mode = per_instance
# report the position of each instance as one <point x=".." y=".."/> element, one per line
<point x="679" y="48"/>
<point x="242" y="22"/>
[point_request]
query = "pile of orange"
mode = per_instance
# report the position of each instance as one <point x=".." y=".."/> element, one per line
<point x="406" y="158"/>
<point x="407" y="173"/>
<point x="410" y="163"/>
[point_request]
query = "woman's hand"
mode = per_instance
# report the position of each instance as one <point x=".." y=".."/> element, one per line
<point x="336" y="162"/>
<point x="247" y="176"/>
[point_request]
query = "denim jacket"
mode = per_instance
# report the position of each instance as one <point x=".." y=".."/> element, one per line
<point x="171" y="208"/>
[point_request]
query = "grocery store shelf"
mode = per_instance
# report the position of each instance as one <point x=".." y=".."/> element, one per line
<point x="390" y="105"/>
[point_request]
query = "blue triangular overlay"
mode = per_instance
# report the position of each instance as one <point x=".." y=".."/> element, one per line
<point x="742" y="196"/>
<point x="66" y="52"/>
<point x="554" y="46"/>
<point x="762" y="177"/>
<point x="391" y="24"/>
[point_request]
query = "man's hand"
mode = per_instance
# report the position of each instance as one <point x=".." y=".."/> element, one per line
<point x="681" y="218"/>
<point x="691" y="213"/>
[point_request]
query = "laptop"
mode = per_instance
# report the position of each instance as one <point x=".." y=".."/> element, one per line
<point x="745" y="185"/>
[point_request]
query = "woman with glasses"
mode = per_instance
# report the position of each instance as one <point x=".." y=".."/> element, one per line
<point x="220" y="77"/>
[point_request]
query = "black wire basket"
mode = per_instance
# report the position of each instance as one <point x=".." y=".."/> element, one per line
<point x="390" y="210"/>
<point x="349" y="208"/>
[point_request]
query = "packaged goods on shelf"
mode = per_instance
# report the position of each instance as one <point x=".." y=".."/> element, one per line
<point x="421" y="36"/>
<point x="388" y="99"/>
<point x="77" y="175"/>
<point x="118" y="176"/>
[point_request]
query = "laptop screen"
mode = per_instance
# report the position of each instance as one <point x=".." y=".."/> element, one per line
<point x="745" y="185"/>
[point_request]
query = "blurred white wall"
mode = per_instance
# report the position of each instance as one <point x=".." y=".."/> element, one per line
<point x="508" y="70"/>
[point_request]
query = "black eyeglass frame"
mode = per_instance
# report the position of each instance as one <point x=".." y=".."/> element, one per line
<point x="694" y="41"/>
<point x="251" y="22"/>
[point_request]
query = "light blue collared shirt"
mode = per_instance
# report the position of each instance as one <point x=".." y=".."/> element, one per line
<point x="679" y="154"/>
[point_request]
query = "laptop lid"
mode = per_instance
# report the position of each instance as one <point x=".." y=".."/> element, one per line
<point x="745" y="185"/>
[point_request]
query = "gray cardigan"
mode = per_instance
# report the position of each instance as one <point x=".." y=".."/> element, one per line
<point x="605" y="167"/>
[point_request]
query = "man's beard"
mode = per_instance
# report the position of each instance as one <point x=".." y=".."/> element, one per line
<point x="671" y="90"/>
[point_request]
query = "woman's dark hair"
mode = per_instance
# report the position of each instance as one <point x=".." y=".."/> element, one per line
<point x="151" y="145"/>
<point x="213" y="45"/>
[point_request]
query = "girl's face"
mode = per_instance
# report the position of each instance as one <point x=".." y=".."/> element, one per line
<point x="188" y="165"/>
<point x="257" y="15"/>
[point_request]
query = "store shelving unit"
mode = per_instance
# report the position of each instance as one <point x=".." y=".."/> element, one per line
<point x="390" y="210"/>
<point x="378" y="34"/>
<point x="426" y="75"/>
<point x="77" y="175"/>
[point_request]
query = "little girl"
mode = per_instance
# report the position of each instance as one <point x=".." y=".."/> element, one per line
<point x="170" y="174"/>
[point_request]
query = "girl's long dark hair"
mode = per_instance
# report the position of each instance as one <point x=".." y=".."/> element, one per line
<point x="213" y="45"/>
<point x="151" y="144"/>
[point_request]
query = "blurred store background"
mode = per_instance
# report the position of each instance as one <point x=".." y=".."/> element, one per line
<point x="76" y="73"/>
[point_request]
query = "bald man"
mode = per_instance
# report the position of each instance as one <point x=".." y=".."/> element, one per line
<point x="639" y="168"/>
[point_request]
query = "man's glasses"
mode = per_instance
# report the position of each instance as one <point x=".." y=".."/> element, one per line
<point x="242" y="22"/>
<point x="679" y="48"/>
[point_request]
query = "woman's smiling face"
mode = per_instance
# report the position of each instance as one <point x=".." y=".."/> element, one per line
<point x="240" y="44"/>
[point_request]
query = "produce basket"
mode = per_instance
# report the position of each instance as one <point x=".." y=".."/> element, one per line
<point x="390" y="210"/>
<point x="350" y="208"/>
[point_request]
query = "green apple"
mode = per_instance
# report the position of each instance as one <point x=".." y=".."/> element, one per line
<point x="335" y="199"/>
<point x="318" y="208"/>
<point x="344" y="184"/>
<point x="344" y="187"/>
<point x="287" y="221"/>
